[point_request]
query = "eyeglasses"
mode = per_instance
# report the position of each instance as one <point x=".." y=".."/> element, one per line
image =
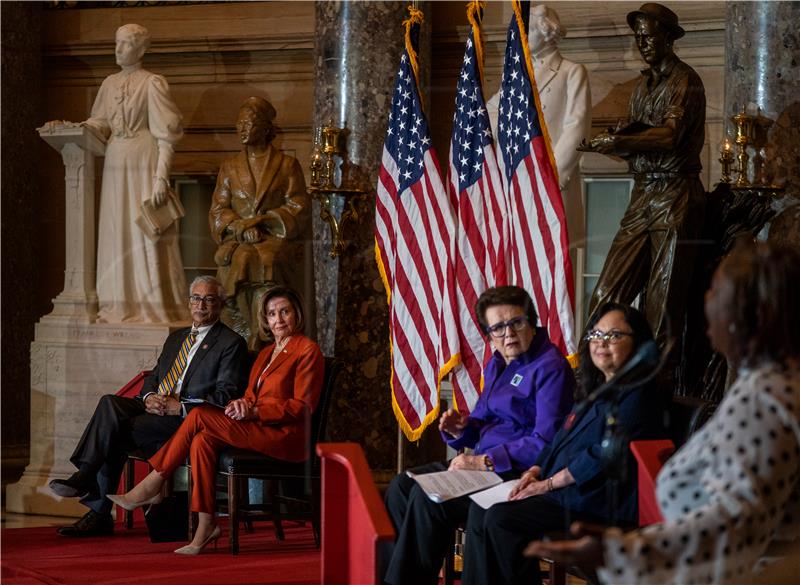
<point x="499" y="330"/>
<point x="209" y="300"/>
<point x="607" y="336"/>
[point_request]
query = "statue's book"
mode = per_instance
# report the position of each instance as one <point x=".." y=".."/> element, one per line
<point x="441" y="486"/>
<point x="154" y="221"/>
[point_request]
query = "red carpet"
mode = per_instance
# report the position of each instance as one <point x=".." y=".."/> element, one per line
<point x="36" y="556"/>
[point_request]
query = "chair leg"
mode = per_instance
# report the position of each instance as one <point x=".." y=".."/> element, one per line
<point x="558" y="574"/>
<point x="448" y="570"/>
<point x="130" y="469"/>
<point x="233" y="512"/>
<point x="190" y="520"/>
<point x="275" y="506"/>
<point x="315" y="509"/>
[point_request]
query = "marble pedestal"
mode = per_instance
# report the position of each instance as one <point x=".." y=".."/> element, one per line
<point x="72" y="365"/>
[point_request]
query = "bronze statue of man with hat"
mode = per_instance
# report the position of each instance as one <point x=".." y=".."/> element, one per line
<point x="654" y="250"/>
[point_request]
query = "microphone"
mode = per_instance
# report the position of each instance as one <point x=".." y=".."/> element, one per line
<point x="642" y="363"/>
<point x="640" y="369"/>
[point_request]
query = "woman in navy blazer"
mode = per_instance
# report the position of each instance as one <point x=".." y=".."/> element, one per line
<point x="569" y="480"/>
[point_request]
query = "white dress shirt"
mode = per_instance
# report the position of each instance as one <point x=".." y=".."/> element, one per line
<point x="176" y="392"/>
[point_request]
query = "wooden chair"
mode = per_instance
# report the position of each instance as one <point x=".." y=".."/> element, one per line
<point x="237" y="466"/>
<point x="356" y="531"/>
<point x="131" y="390"/>
<point x="685" y="416"/>
<point x="650" y="458"/>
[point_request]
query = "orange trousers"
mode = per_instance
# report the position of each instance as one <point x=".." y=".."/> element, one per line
<point x="203" y="434"/>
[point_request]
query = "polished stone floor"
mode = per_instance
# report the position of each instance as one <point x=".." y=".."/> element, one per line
<point x="14" y="520"/>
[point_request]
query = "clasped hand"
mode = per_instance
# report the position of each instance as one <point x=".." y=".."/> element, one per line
<point x="529" y="485"/>
<point x="240" y="409"/>
<point x="162" y="405"/>
<point x="246" y="230"/>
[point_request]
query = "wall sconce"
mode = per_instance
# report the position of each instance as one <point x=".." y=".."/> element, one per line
<point x="333" y="179"/>
<point x="750" y="131"/>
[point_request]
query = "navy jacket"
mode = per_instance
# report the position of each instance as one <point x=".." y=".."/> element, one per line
<point x="217" y="372"/>
<point x="640" y="415"/>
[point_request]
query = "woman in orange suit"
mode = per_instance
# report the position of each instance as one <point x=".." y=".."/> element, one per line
<point x="271" y="418"/>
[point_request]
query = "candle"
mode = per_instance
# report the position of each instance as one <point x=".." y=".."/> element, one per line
<point x="726" y="146"/>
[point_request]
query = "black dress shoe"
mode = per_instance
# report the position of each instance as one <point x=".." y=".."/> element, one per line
<point x="92" y="524"/>
<point x="72" y="487"/>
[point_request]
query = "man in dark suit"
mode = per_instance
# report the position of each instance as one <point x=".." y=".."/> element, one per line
<point x="205" y="361"/>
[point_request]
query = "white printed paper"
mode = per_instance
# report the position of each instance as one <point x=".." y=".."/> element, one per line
<point x="447" y="485"/>
<point x="494" y="495"/>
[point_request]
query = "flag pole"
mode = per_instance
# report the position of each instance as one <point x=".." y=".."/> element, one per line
<point x="415" y="17"/>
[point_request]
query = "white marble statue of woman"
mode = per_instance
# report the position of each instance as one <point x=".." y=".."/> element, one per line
<point x="139" y="280"/>
<point x="566" y="105"/>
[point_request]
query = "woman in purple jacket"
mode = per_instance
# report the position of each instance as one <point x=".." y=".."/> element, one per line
<point x="528" y="390"/>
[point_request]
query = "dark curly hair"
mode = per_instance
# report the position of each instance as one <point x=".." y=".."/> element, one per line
<point x="764" y="316"/>
<point x="505" y="295"/>
<point x="590" y="378"/>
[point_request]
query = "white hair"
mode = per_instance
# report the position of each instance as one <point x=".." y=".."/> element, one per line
<point x="547" y="21"/>
<point x="208" y="279"/>
<point x="140" y="34"/>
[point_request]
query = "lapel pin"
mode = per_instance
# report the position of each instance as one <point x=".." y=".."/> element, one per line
<point x="205" y="346"/>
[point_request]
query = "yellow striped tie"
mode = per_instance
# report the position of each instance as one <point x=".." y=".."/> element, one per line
<point x="167" y="385"/>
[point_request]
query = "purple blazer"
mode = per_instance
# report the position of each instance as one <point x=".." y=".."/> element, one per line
<point x="522" y="406"/>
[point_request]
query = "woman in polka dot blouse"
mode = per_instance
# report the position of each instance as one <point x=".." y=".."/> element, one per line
<point x="731" y="495"/>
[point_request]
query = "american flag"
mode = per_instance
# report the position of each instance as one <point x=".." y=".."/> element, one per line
<point x="538" y="244"/>
<point x="414" y="230"/>
<point x="475" y="184"/>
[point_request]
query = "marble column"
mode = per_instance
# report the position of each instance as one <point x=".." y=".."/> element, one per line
<point x="762" y="50"/>
<point x="357" y="51"/>
<point x="78" y="147"/>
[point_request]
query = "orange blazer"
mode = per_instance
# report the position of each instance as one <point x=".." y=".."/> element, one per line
<point x="288" y="395"/>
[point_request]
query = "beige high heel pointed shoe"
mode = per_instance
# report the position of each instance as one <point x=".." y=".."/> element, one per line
<point x="121" y="501"/>
<point x="124" y="501"/>
<point x="195" y="550"/>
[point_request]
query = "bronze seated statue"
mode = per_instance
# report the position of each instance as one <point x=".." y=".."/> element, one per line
<point x="259" y="218"/>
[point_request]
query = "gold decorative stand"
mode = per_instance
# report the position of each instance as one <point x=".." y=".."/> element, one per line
<point x="751" y="130"/>
<point x="332" y="177"/>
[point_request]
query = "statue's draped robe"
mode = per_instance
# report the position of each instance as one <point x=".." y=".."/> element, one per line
<point x="138" y="279"/>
